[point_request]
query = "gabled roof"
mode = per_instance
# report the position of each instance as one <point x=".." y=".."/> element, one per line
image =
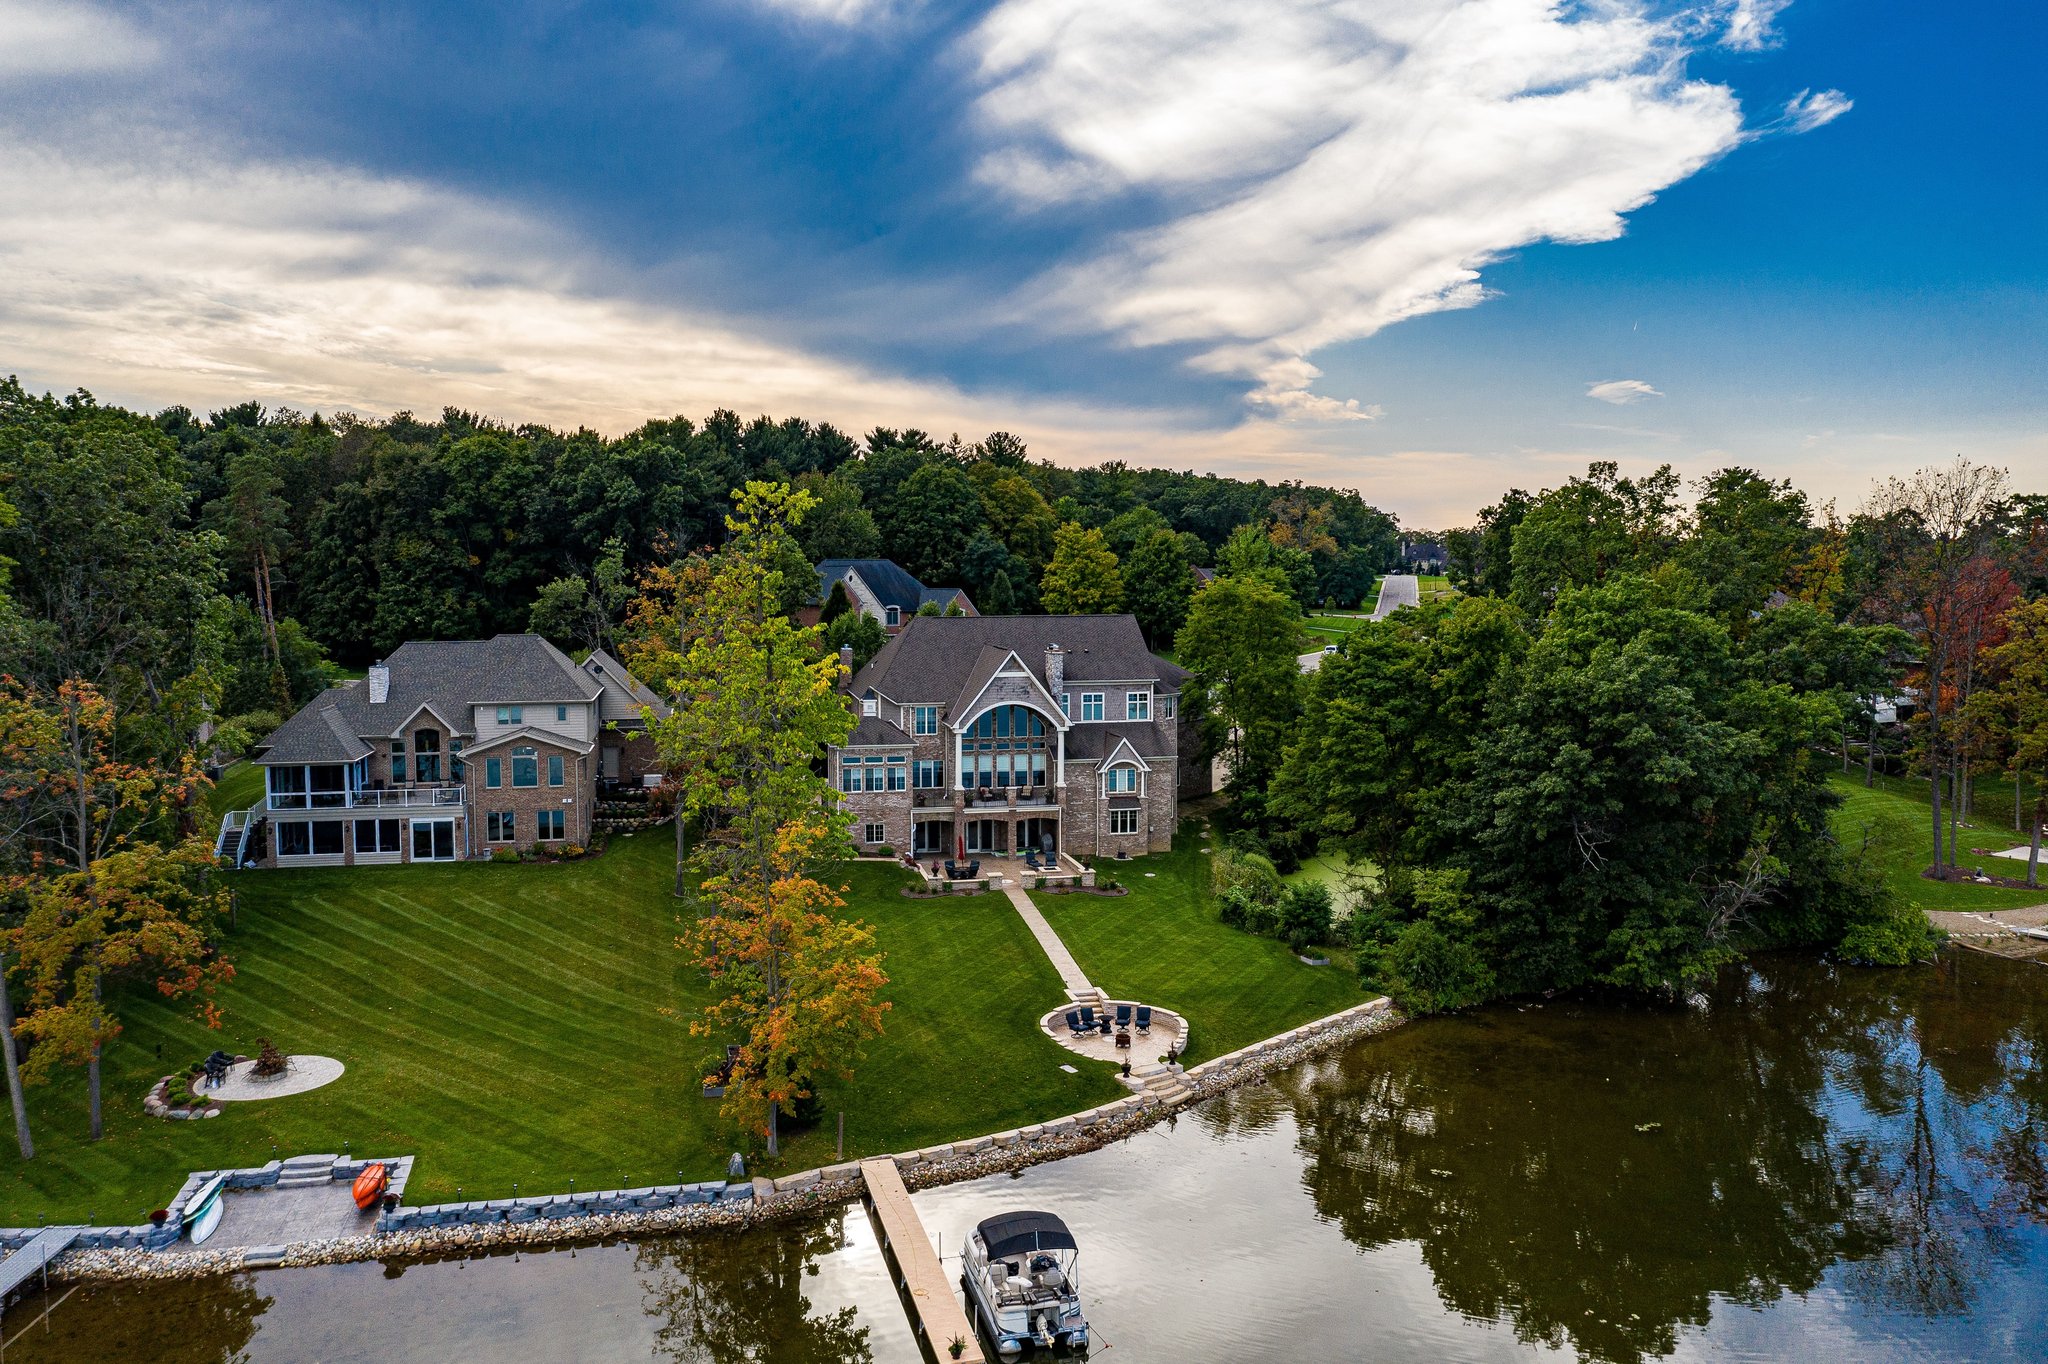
<point x="1099" y="743"/>
<point x="932" y="660"/>
<point x="992" y="662"/>
<point x="619" y="686"/>
<point x="528" y="734"/>
<point x="447" y="677"/>
<point x="889" y="581"/>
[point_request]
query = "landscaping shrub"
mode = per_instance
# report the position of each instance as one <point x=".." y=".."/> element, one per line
<point x="1427" y="972"/>
<point x="885" y="851"/>
<point x="1886" y="931"/>
<point x="504" y="855"/>
<point x="1306" y="915"/>
<point x="1252" y="872"/>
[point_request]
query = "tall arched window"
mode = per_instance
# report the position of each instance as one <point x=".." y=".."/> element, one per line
<point x="1006" y="746"/>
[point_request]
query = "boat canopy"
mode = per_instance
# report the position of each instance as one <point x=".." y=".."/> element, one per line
<point x="1018" y="1233"/>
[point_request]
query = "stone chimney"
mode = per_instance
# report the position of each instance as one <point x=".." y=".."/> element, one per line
<point x="380" y="683"/>
<point x="1055" y="669"/>
<point x="846" y="666"/>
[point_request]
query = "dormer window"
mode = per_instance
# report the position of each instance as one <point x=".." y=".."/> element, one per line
<point x="868" y="707"/>
<point x="893" y="615"/>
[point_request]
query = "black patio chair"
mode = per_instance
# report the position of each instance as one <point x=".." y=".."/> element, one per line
<point x="1087" y="1020"/>
<point x="1031" y="861"/>
<point x="952" y="872"/>
<point x="1074" y="1022"/>
<point x="1123" y="1017"/>
<point x="973" y="869"/>
<point x="1144" y="1018"/>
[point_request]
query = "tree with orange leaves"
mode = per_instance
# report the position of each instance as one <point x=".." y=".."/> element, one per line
<point x="104" y="900"/>
<point x="801" y="986"/>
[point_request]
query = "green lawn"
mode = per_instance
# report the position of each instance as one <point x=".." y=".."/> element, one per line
<point x="1901" y="840"/>
<point x="506" y="1023"/>
<point x="1162" y="944"/>
<point x="240" y="787"/>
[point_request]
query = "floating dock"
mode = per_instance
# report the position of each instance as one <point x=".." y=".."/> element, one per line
<point x="48" y="1244"/>
<point x="934" y="1312"/>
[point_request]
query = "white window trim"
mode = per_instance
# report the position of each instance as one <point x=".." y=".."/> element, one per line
<point x="1123" y="816"/>
<point x="1101" y="700"/>
<point x="1137" y="705"/>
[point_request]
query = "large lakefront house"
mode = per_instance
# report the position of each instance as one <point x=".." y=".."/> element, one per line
<point x="446" y="751"/>
<point x="1001" y="733"/>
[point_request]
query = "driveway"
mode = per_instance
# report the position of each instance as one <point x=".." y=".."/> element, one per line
<point x="1396" y="591"/>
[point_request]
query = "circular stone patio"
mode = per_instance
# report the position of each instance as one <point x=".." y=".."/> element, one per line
<point x="302" y="1073"/>
<point x="1169" y="1033"/>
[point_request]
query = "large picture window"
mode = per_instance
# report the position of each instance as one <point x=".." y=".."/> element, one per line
<point x="426" y="755"/>
<point x="928" y="772"/>
<point x="1005" y="747"/>
<point x="377" y="836"/>
<point x="525" y="766"/>
<point x="501" y="826"/>
<point x="1123" y="821"/>
<point x="294" y="838"/>
<point x="552" y="824"/>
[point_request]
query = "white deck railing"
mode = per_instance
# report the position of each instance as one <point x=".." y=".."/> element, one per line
<point x="396" y="798"/>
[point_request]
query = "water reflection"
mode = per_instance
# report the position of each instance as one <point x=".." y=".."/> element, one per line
<point x="719" y="1299"/>
<point x="1600" y="1177"/>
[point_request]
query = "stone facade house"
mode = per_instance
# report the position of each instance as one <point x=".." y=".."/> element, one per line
<point x="993" y="734"/>
<point x="447" y="750"/>
<point x="882" y="589"/>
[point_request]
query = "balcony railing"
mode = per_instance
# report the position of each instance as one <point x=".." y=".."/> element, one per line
<point x="392" y="798"/>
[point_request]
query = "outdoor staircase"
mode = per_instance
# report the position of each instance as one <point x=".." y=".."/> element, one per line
<point x="1156" y="1080"/>
<point x="306" y="1172"/>
<point x="239" y="830"/>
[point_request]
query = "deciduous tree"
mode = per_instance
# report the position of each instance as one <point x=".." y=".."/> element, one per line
<point x="1082" y="578"/>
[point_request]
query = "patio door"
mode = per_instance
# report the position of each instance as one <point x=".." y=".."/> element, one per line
<point x="1039" y="835"/>
<point x="433" y="840"/>
<point x="987" y="835"/>
<point x="934" y="836"/>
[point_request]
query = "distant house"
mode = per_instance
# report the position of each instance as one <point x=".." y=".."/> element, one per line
<point x="883" y="589"/>
<point x="1420" y="555"/>
<point x="1204" y="576"/>
<point x="993" y="734"/>
<point x="447" y="750"/>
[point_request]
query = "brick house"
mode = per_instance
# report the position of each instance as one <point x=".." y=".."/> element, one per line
<point x="992" y="734"/>
<point x="447" y="750"/>
<point x="883" y="589"/>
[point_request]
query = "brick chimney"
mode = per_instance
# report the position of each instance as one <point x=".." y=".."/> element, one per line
<point x="846" y="666"/>
<point x="1055" y="669"/>
<point x="380" y="683"/>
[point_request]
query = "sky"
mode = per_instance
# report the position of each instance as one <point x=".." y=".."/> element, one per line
<point x="1429" y="249"/>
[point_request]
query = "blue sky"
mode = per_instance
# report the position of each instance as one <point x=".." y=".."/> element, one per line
<point x="1428" y="248"/>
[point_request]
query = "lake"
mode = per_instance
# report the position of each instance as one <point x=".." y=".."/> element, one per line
<point x="1806" y="1162"/>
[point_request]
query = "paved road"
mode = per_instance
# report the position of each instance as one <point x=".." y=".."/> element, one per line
<point x="1396" y="591"/>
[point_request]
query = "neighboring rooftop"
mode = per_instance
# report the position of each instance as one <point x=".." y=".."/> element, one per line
<point x="891" y="583"/>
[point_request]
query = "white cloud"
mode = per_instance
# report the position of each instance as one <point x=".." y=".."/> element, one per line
<point x="845" y="12"/>
<point x="1809" y="109"/>
<point x="1748" y="27"/>
<point x="1621" y="392"/>
<point x="53" y="38"/>
<point x="1326" y="169"/>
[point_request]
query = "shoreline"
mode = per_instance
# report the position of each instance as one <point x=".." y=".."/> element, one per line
<point x="805" y="1193"/>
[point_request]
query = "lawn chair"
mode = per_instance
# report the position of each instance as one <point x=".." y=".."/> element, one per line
<point x="1144" y="1018"/>
<point x="1123" y="1017"/>
<point x="973" y="869"/>
<point x="1031" y="860"/>
<point x="1074" y="1022"/>
<point x="1087" y="1019"/>
<point x="953" y="872"/>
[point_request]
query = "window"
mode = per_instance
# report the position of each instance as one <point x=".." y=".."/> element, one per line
<point x="294" y="838"/>
<point x="554" y="769"/>
<point x="327" y="837"/>
<point x="924" y="720"/>
<point x="849" y="774"/>
<point x="1063" y="706"/>
<point x="874" y="833"/>
<point x="455" y="768"/>
<point x="1169" y="706"/>
<point x="525" y="766"/>
<point x="377" y="836"/>
<point x="1138" y="705"/>
<point x="553" y="823"/>
<point x="426" y="755"/>
<point x="561" y="715"/>
<point x="876" y="779"/>
<point x="398" y="760"/>
<point x="511" y="715"/>
<point x="1091" y="705"/>
<point x="893" y="615"/>
<point x="927" y="772"/>
<point x="1123" y="821"/>
<point x="494" y="773"/>
<point x="897" y="772"/>
<point x="1124" y="779"/>
<point x="501" y="826"/>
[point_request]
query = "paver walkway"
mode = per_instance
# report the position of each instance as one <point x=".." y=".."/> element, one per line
<point x="1062" y="960"/>
<point x="1396" y="591"/>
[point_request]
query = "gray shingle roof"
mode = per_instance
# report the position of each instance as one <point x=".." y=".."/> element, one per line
<point x="935" y="655"/>
<point x="873" y="732"/>
<point x="611" y="708"/>
<point x="1092" y="743"/>
<point x="447" y="676"/>
<point x="889" y="581"/>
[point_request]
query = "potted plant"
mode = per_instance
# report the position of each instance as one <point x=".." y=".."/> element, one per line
<point x="956" y="1347"/>
<point x="159" y="1216"/>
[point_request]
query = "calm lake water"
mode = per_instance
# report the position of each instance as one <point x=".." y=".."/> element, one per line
<point x="1808" y="1163"/>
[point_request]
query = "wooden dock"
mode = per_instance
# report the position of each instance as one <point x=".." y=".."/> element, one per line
<point x="25" y="1263"/>
<point x="934" y="1312"/>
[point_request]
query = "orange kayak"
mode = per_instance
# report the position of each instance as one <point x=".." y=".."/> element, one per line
<point x="370" y="1185"/>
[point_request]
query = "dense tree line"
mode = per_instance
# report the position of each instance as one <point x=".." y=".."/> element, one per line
<point x="1607" y="761"/>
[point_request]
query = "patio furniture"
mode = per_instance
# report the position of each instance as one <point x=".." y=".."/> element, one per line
<point x="953" y="873"/>
<point x="1144" y="1018"/>
<point x="1031" y="860"/>
<point x="1123" y="1040"/>
<point x="1123" y="1017"/>
<point x="1103" y="1024"/>
<point x="1074" y="1022"/>
<point x="973" y="869"/>
<point x="1087" y="1019"/>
